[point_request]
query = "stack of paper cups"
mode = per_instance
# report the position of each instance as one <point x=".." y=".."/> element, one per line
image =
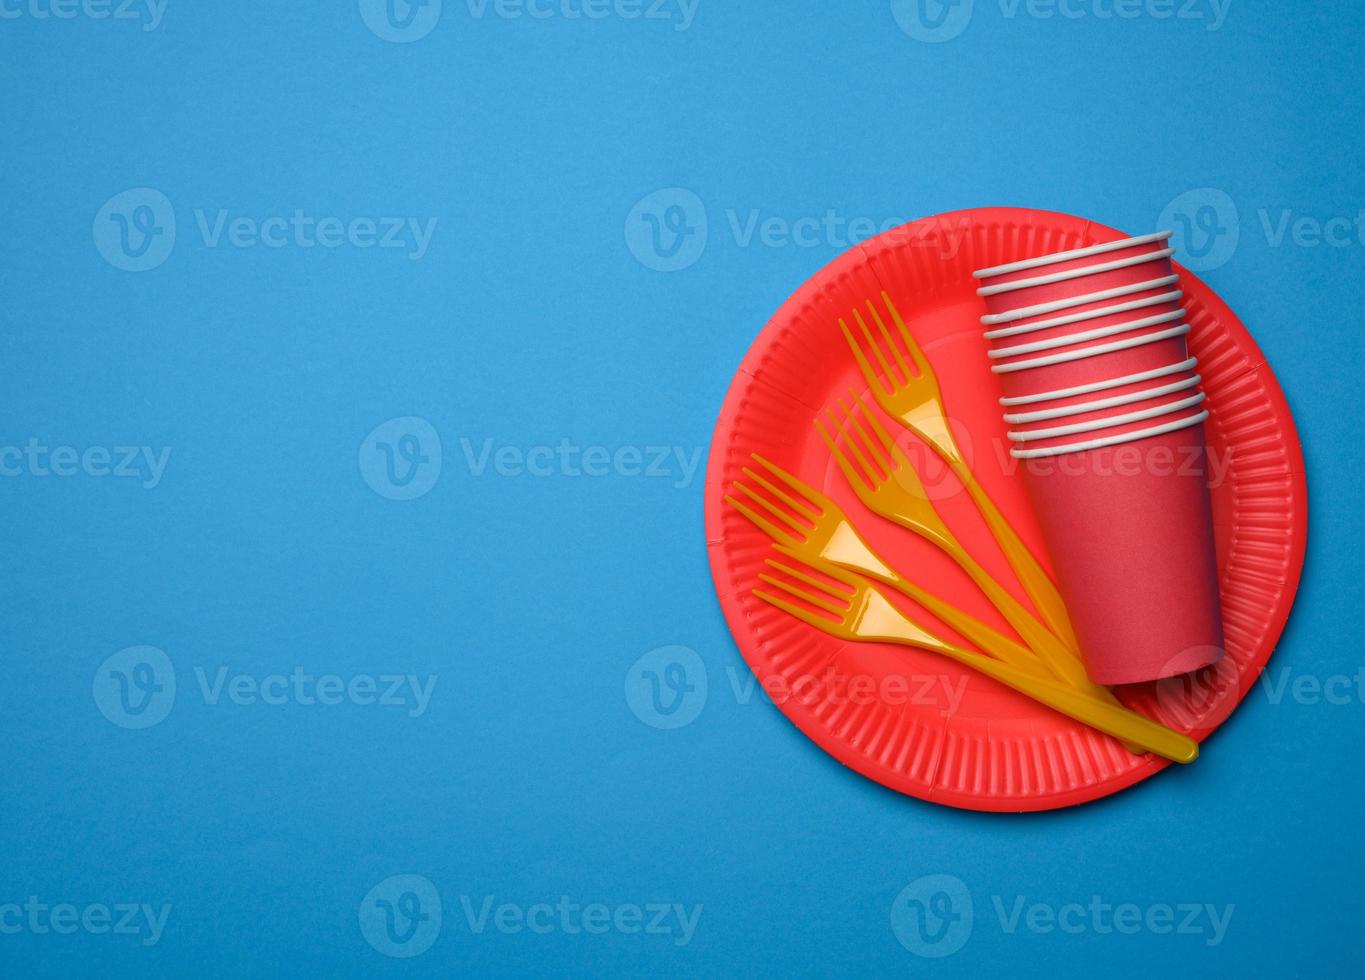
<point x="1105" y="411"/>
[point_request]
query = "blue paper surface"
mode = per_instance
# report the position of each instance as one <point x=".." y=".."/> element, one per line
<point x="360" y="363"/>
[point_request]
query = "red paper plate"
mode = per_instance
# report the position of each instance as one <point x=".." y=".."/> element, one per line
<point x="912" y="720"/>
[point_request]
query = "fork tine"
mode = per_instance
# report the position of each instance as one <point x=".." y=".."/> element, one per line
<point x="854" y="477"/>
<point x="814" y="497"/>
<point x="841" y="426"/>
<point x="908" y="479"/>
<point x="821" y="565"/>
<point x="801" y="576"/>
<point x="887" y="442"/>
<point x="891" y="378"/>
<point x="805" y="615"/>
<point x="801" y="507"/>
<point x="895" y="347"/>
<point x="770" y="507"/>
<point x="765" y="525"/>
<point x="818" y="602"/>
<point x="920" y="360"/>
<point x="869" y="444"/>
<point x="869" y="373"/>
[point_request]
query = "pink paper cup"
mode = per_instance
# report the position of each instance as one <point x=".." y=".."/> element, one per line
<point x="1106" y="419"/>
<point x="1085" y="315"/>
<point x="1129" y="530"/>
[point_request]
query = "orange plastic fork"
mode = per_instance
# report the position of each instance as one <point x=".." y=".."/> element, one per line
<point x="912" y="397"/>
<point x="813" y="526"/>
<point x="885" y="480"/>
<point x="857" y="611"/>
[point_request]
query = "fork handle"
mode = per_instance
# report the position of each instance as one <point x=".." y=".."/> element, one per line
<point x="1060" y="661"/>
<point x="1110" y="718"/>
<point x="998" y="644"/>
<point x="1061" y="664"/>
<point x="1036" y="582"/>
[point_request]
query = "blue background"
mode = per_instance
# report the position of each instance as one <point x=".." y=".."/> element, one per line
<point x="530" y="320"/>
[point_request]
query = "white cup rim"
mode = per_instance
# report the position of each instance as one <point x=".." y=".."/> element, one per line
<point x="1095" y="350"/>
<point x="1068" y="255"/>
<point x="1114" y="440"/>
<point x="1085" y="270"/>
<point x="1052" y="343"/>
<point x="1044" y="396"/>
<point x="1052" y="306"/>
<point x="1099" y="404"/>
<point x="1060" y="321"/>
<point x="1108" y="422"/>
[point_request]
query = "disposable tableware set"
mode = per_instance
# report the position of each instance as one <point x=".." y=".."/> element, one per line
<point x="1027" y="467"/>
<point x="1064" y="328"/>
